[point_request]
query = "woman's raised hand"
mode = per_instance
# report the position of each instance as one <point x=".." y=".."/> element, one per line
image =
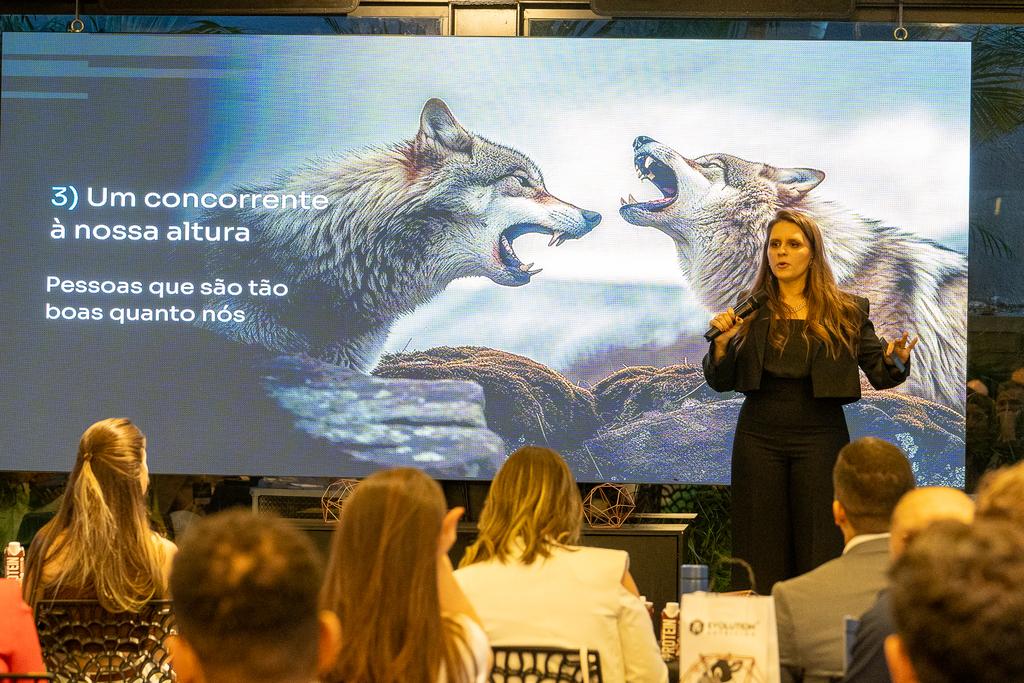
<point x="449" y="592"/>
<point x="449" y="528"/>
<point x="900" y="348"/>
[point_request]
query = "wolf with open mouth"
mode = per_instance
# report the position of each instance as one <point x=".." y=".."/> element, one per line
<point x="401" y="224"/>
<point x="717" y="207"/>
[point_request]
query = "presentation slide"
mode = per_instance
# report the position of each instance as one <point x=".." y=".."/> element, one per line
<point x="322" y="256"/>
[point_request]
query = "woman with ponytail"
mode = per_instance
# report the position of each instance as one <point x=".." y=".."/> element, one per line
<point x="100" y="545"/>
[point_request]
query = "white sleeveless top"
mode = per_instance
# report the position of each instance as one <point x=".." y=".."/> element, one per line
<point x="573" y="599"/>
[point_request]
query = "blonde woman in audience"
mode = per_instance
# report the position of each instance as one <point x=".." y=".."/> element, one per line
<point x="532" y="584"/>
<point x="100" y="545"/>
<point x="389" y="580"/>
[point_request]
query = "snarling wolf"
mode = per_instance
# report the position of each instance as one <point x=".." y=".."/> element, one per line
<point x="402" y="223"/>
<point x="717" y="207"/>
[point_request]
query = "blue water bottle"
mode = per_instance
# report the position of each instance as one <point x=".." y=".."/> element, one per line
<point x="693" y="578"/>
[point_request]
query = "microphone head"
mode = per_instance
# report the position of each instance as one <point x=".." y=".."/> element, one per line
<point x="745" y="308"/>
<point x="752" y="303"/>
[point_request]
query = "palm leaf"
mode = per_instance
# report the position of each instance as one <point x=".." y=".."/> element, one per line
<point x="991" y="243"/>
<point x="208" y="26"/>
<point x="33" y="23"/>
<point x="997" y="81"/>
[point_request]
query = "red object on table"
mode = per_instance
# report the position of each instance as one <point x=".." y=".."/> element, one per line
<point x="19" y="644"/>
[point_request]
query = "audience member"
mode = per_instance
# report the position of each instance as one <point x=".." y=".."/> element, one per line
<point x="915" y="511"/>
<point x="1009" y="409"/>
<point x="958" y="604"/>
<point x="533" y="586"/>
<point x="977" y="386"/>
<point x="389" y="580"/>
<point x="19" y="643"/>
<point x="245" y="590"/>
<point x="100" y="544"/>
<point x="1001" y="494"/>
<point x="980" y="434"/>
<point x="869" y="477"/>
<point x="1017" y="372"/>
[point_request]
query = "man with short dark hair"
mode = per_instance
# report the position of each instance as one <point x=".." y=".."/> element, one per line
<point x="869" y="478"/>
<point x="245" y="591"/>
<point x="958" y="604"/>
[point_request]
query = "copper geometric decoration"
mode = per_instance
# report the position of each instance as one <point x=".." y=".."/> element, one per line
<point x="608" y="505"/>
<point x="334" y="498"/>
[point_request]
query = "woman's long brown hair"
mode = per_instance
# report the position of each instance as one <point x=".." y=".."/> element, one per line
<point x="100" y="539"/>
<point x="381" y="581"/>
<point x="533" y="501"/>
<point x="833" y="317"/>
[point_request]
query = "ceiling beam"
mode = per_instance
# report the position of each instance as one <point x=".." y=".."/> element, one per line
<point x="181" y="7"/>
<point x="914" y="11"/>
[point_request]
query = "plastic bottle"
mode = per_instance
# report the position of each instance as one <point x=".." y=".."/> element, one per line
<point x="649" y="605"/>
<point x="14" y="561"/>
<point x="670" y="631"/>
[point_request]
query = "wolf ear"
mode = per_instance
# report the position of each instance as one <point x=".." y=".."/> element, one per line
<point x="798" y="181"/>
<point x="439" y="127"/>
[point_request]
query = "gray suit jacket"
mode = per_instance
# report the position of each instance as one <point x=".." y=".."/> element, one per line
<point x="810" y="610"/>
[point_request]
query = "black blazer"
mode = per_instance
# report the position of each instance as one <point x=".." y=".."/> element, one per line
<point x="741" y="368"/>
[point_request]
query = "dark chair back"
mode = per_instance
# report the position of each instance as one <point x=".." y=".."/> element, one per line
<point x="85" y="643"/>
<point x="526" y="664"/>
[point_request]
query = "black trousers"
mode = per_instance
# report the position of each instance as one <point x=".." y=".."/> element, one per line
<point x="782" y="457"/>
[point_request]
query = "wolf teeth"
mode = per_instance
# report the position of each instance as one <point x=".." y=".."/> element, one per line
<point x="647" y="163"/>
<point x="525" y="267"/>
<point x="556" y="238"/>
<point x="534" y="272"/>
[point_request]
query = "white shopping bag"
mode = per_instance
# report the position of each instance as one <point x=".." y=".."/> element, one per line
<point x="728" y="638"/>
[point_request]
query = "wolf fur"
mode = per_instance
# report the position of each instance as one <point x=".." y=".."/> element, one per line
<point x="717" y="207"/>
<point x="402" y="223"/>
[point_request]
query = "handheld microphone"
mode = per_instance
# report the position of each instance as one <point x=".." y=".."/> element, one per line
<point x="746" y="307"/>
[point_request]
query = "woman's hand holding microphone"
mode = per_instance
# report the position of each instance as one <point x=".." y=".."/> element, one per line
<point x="729" y="324"/>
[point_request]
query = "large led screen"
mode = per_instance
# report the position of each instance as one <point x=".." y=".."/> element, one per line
<point x="327" y="255"/>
